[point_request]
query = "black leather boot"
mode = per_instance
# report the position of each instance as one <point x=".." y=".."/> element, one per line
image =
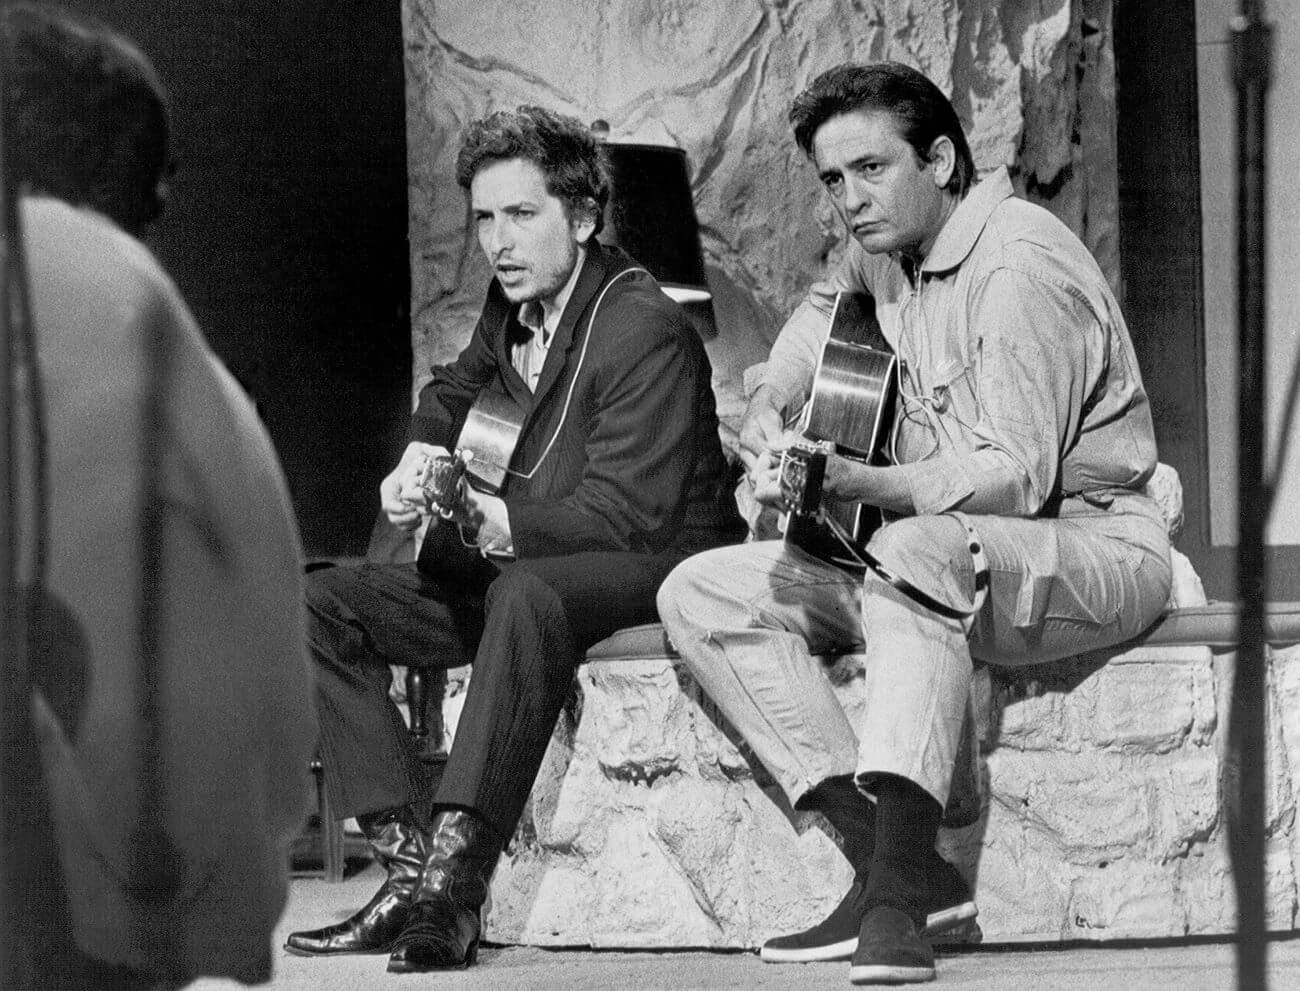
<point x="399" y="847"/>
<point x="446" y="922"/>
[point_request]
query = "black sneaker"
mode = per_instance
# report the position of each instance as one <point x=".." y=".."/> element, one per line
<point x="836" y="936"/>
<point x="890" y="950"/>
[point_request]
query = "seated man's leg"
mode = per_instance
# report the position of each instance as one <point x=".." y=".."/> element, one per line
<point x="359" y="620"/>
<point x="541" y="615"/>
<point x="1055" y="588"/>
<point x="749" y="621"/>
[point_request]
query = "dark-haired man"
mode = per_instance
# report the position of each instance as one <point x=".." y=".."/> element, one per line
<point x="173" y="565"/>
<point x="616" y="477"/>
<point x="85" y="116"/>
<point x="1017" y="528"/>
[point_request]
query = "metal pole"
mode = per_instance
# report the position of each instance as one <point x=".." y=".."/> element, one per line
<point x="18" y="768"/>
<point x="1251" y="50"/>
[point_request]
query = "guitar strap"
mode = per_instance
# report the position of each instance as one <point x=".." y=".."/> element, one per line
<point x="980" y="562"/>
<point x="573" y="382"/>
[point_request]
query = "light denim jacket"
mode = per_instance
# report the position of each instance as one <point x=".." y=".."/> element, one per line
<point x="1020" y="387"/>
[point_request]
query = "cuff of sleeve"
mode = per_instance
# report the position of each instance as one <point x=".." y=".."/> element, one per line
<point x="937" y="486"/>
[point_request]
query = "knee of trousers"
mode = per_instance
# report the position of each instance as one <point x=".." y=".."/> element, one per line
<point x="673" y="592"/>
<point x="691" y="596"/>
<point x="931" y="552"/>
<point x="325" y="591"/>
<point x="523" y="597"/>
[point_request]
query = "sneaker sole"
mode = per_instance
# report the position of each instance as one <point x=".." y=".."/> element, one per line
<point x="935" y="923"/>
<point x="949" y="918"/>
<point x="879" y="973"/>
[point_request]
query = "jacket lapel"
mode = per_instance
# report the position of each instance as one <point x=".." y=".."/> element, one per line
<point x="573" y="321"/>
<point x="504" y="331"/>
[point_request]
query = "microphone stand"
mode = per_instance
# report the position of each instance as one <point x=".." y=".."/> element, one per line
<point x="19" y="769"/>
<point x="1251" y="54"/>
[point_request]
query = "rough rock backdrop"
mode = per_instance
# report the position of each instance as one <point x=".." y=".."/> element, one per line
<point x="1032" y="79"/>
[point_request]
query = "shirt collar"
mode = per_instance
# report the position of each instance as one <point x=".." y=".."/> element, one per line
<point x="542" y="318"/>
<point x="957" y="237"/>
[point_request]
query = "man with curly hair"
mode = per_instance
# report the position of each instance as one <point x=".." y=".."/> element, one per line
<point x="617" y="476"/>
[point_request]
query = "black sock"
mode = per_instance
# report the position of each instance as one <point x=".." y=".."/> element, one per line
<point x="907" y="825"/>
<point x="851" y="813"/>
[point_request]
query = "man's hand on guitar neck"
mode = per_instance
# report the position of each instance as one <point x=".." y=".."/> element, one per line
<point x="404" y="498"/>
<point x="401" y="496"/>
<point x="761" y="431"/>
<point x="844" y="479"/>
<point x="766" y="475"/>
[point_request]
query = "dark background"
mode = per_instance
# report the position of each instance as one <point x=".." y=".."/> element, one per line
<point x="286" y="228"/>
<point x="1160" y="263"/>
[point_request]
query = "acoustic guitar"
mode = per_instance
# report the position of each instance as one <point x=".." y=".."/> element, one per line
<point x="849" y="413"/>
<point x="481" y="461"/>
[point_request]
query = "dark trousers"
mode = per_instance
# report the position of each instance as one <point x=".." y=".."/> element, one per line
<point x="525" y="626"/>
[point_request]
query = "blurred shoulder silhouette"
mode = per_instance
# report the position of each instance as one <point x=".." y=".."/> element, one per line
<point x="163" y="492"/>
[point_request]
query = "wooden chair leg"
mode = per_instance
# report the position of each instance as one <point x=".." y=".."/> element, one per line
<point x="331" y="829"/>
<point x="417" y="700"/>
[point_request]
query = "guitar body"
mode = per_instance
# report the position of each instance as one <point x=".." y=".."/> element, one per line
<point x="850" y="413"/>
<point x="483" y="451"/>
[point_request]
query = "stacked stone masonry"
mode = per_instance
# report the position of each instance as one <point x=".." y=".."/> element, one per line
<point x="1103" y="818"/>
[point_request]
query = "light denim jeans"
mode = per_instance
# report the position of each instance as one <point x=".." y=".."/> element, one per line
<point x="750" y="621"/>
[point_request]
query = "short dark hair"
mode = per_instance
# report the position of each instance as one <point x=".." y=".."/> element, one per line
<point x="563" y="148"/>
<point x="85" y="116"/>
<point x="919" y="107"/>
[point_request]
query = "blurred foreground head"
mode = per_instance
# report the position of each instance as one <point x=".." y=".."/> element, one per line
<point x="85" y="115"/>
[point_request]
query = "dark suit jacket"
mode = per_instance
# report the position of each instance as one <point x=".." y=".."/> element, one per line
<point x="636" y="464"/>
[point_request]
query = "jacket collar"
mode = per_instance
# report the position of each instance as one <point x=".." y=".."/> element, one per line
<point x="601" y="262"/>
<point x="957" y="238"/>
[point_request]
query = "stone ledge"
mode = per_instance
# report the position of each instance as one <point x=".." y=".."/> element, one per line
<point x="649" y="828"/>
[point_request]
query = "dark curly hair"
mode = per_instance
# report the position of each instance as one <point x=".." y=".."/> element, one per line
<point x="921" y="110"/>
<point x="85" y="115"/>
<point x="565" y="150"/>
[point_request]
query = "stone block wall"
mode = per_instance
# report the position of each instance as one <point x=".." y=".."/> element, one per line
<point x="1033" y="81"/>
<point x="1104" y="817"/>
